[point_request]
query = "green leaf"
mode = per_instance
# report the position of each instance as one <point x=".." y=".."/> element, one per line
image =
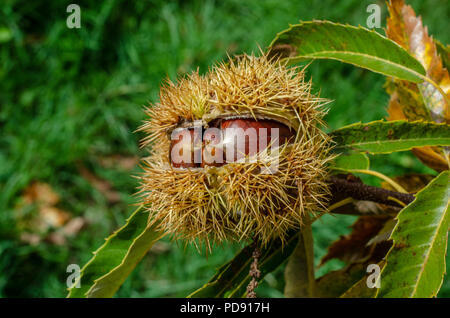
<point x="349" y="44"/>
<point x="351" y="161"/>
<point x="385" y="137"/>
<point x="232" y="278"/>
<point x="416" y="262"/>
<point x="5" y="35"/>
<point x="299" y="272"/>
<point x="116" y="258"/>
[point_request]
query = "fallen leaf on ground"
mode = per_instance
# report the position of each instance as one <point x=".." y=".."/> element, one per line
<point x="41" y="193"/>
<point x="51" y="223"/>
<point x="103" y="186"/>
<point x="118" y="161"/>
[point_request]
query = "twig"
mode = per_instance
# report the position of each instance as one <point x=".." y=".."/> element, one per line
<point x="255" y="273"/>
<point x="342" y="188"/>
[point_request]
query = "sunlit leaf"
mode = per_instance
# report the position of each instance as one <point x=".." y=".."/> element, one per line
<point x="348" y="44"/>
<point x="416" y="262"/>
<point x="351" y="161"/>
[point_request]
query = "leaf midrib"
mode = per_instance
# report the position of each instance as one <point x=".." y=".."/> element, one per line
<point x="393" y="141"/>
<point x="373" y="57"/>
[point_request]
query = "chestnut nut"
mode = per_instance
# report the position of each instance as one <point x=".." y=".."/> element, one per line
<point x="230" y="141"/>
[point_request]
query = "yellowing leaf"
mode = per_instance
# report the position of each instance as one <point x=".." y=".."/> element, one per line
<point x="423" y="100"/>
<point x="433" y="157"/>
<point x="407" y="30"/>
<point x="444" y="53"/>
<point x="406" y="103"/>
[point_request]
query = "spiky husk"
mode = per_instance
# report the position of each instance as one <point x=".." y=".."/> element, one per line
<point x="237" y="201"/>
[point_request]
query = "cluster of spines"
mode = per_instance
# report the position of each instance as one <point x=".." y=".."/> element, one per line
<point x="235" y="201"/>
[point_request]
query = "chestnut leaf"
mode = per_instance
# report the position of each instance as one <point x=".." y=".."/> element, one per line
<point x="112" y="263"/>
<point x="349" y="44"/>
<point x="379" y="137"/>
<point x="415" y="265"/>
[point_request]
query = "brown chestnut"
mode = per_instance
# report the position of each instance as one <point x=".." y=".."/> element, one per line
<point x="246" y="137"/>
<point x="231" y="141"/>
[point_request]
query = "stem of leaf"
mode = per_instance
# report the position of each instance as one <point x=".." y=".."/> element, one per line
<point x="339" y="204"/>
<point x="342" y="189"/>
<point x="377" y="174"/>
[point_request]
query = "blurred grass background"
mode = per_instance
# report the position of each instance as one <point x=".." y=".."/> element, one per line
<point x="71" y="99"/>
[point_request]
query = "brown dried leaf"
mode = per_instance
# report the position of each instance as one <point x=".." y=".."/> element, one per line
<point x="353" y="247"/>
<point x="50" y="222"/>
<point x="53" y="216"/>
<point x="72" y="227"/>
<point x="412" y="182"/>
<point x="45" y="198"/>
<point x="119" y="161"/>
<point x="40" y="193"/>
<point x="30" y="238"/>
<point x="103" y="186"/>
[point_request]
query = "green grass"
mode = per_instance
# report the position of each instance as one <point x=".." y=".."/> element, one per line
<point x="73" y="96"/>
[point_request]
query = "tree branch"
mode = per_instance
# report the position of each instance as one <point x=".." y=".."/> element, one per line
<point x="343" y="188"/>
